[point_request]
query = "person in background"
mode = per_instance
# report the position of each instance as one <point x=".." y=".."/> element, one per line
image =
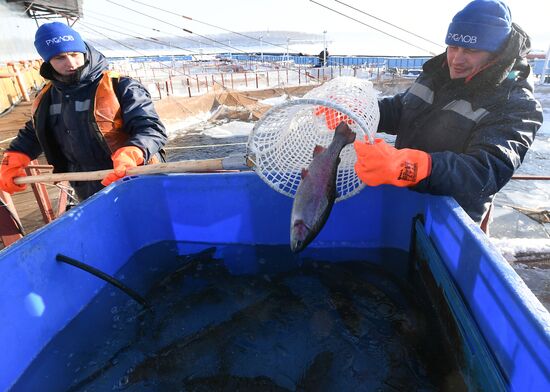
<point x="86" y="118"/>
<point x="463" y="128"/>
<point x="323" y="58"/>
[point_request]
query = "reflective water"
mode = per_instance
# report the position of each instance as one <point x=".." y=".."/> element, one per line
<point x="252" y="319"/>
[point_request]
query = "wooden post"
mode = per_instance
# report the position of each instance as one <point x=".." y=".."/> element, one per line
<point x="158" y="89"/>
<point x="198" y="84"/>
<point x="206" y="81"/>
<point x="9" y="221"/>
<point x="62" y="199"/>
<point x="41" y="195"/>
<point x="223" y="81"/>
<point x="287" y="76"/>
<point x="299" y="76"/>
<point x="167" y="89"/>
<point x="267" y="77"/>
<point x="144" y="70"/>
<point x="232" y="81"/>
<point x="188" y="87"/>
<point x="171" y="85"/>
<point x="256" y="79"/>
<point x="245" y="80"/>
<point x="278" y="78"/>
<point x="20" y="82"/>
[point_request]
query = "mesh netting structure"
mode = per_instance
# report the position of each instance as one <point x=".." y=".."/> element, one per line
<point x="281" y="143"/>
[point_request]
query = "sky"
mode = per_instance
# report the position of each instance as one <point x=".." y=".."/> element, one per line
<point x="425" y="18"/>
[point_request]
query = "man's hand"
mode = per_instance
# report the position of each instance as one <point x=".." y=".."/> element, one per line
<point x="13" y="165"/>
<point x="380" y="163"/>
<point x="123" y="158"/>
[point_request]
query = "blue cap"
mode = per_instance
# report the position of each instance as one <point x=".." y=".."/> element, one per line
<point x="54" y="38"/>
<point x="482" y="25"/>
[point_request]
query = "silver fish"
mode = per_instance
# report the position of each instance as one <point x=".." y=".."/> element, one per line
<point x="317" y="190"/>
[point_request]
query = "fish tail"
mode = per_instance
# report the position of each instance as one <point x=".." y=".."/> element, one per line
<point x="345" y="131"/>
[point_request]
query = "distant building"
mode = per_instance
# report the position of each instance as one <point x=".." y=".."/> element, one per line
<point x="536" y="55"/>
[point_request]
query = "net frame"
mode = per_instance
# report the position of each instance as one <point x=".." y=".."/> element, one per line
<point x="281" y="143"/>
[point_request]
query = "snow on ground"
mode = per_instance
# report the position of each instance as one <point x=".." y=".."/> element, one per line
<point x="230" y="129"/>
<point x="509" y="247"/>
<point x="275" y="100"/>
<point x="181" y="127"/>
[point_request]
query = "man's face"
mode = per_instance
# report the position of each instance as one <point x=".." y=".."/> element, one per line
<point x="67" y="63"/>
<point x="464" y="62"/>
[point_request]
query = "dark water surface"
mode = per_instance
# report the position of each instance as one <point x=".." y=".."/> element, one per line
<point x="199" y="146"/>
<point x="252" y="319"/>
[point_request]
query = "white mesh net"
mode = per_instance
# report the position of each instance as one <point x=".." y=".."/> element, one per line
<point x="282" y="142"/>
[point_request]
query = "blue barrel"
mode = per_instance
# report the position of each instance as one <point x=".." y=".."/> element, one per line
<point x="41" y="296"/>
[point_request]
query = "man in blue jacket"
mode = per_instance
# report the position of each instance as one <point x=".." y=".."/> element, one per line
<point x="85" y="118"/>
<point x="467" y="122"/>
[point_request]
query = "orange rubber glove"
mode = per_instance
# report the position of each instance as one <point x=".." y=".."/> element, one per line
<point x="332" y="117"/>
<point x="13" y="165"/>
<point x="381" y="163"/>
<point x="123" y="158"/>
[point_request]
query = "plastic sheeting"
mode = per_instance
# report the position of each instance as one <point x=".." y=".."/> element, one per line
<point x="17" y="34"/>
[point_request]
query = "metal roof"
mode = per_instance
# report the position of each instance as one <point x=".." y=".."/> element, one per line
<point x="49" y="9"/>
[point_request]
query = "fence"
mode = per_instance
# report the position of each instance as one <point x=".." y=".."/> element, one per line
<point x="183" y="78"/>
<point x="347" y="61"/>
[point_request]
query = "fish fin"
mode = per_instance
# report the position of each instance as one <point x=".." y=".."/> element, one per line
<point x="345" y="131"/>
<point x="318" y="149"/>
<point x="305" y="172"/>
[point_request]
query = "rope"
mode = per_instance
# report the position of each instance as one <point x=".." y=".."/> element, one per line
<point x="66" y="189"/>
<point x="178" y="27"/>
<point x="210" y="25"/>
<point x="388" y="23"/>
<point x="155" y="41"/>
<point x="190" y="32"/>
<point x="144" y="54"/>
<point x="542" y="217"/>
<point x="7" y="110"/>
<point x="7" y="140"/>
<point x="374" y="28"/>
<point x="147" y="27"/>
<point x="529" y="177"/>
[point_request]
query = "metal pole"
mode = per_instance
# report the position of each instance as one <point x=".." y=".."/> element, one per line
<point x="287" y="52"/>
<point x="545" y="67"/>
<point x="325" y="48"/>
<point x="261" y="49"/>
